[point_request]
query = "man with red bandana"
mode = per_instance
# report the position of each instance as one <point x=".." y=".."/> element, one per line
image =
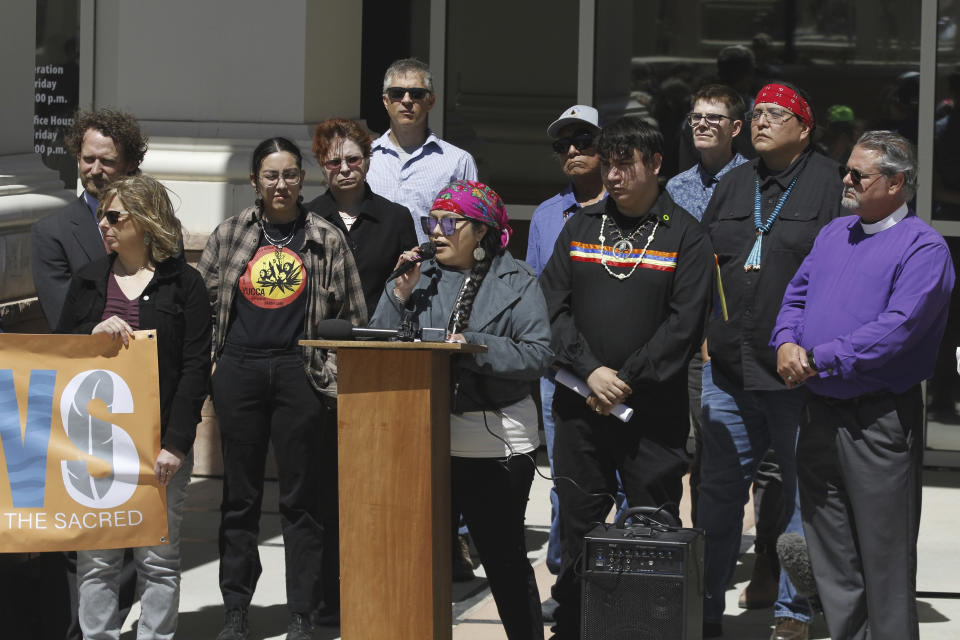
<point x="762" y="221"/>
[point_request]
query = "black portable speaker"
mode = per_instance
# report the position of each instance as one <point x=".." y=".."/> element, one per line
<point x="642" y="582"/>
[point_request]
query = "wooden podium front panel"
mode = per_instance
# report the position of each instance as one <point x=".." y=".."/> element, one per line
<point x="394" y="470"/>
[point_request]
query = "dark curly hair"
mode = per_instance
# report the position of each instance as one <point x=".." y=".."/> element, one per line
<point x="120" y="127"/>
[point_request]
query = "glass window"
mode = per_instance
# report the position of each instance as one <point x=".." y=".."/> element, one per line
<point x="943" y="419"/>
<point x="652" y="55"/>
<point x="510" y="71"/>
<point x="56" y="84"/>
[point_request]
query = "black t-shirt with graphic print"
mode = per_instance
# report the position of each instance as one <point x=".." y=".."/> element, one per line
<point x="271" y="303"/>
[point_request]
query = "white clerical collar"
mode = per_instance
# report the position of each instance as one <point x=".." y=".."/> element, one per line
<point x="871" y="228"/>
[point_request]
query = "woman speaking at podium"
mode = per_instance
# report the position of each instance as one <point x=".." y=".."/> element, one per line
<point x="481" y="295"/>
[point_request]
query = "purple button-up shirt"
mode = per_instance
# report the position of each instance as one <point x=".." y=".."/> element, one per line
<point x="872" y="307"/>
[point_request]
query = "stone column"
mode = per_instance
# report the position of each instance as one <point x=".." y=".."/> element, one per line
<point x="209" y="81"/>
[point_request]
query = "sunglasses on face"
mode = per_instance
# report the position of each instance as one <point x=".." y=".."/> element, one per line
<point x="334" y="164"/>
<point x="397" y="93"/>
<point x="447" y="224"/>
<point x="713" y="119"/>
<point x="113" y="217"/>
<point x="855" y="175"/>
<point x="580" y="141"/>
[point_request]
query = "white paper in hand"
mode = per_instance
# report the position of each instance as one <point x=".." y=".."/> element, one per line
<point x="580" y="386"/>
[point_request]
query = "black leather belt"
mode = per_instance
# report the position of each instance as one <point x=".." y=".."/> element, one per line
<point x="867" y="398"/>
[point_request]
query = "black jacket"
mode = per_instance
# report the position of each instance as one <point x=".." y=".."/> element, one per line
<point x="175" y="304"/>
<point x="647" y="325"/>
<point x="383" y="230"/>
<point x="740" y="347"/>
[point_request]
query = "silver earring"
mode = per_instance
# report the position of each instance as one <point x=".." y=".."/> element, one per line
<point x="479" y="253"/>
<point x="147" y="239"/>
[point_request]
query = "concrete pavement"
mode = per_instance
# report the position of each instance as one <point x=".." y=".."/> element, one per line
<point x="475" y="616"/>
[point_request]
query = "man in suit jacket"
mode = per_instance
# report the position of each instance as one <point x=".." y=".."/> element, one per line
<point x="108" y="146"/>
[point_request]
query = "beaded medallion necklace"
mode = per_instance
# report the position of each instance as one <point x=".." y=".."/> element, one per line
<point x="753" y="260"/>
<point x="623" y="247"/>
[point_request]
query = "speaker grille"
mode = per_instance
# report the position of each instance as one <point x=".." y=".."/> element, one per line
<point x="632" y="607"/>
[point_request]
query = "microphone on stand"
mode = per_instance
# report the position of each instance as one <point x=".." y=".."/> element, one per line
<point x="339" y="329"/>
<point x="427" y="250"/>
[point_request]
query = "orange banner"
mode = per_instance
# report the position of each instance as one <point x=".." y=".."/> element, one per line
<point x="79" y="435"/>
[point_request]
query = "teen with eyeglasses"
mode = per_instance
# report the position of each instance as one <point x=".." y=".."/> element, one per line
<point x="409" y="163"/>
<point x="273" y="272"/>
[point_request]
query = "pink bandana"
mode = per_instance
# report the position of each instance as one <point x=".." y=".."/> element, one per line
<point x="788" y="99"/>
<point x="477" y="201"/>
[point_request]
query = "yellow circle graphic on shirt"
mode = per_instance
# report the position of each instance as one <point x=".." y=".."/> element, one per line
<point x="273" y="279"/>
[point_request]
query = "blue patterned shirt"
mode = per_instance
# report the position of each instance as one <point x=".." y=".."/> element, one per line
<point x="414" y="183"/>
<point x="693" y="188"/>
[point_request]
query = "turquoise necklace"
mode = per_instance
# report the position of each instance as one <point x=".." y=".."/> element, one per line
<point x="753" y="260"/>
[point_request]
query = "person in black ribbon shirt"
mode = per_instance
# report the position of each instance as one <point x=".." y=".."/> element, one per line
<point x="762" y="220"/>
<point x="627" y="288"/>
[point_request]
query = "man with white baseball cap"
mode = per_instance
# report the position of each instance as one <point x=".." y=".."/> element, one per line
<point x="573" y="134"/>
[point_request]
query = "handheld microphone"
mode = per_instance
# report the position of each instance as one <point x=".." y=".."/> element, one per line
<point x="427" y="251"/>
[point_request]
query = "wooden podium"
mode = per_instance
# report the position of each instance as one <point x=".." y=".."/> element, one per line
<point x="393" y="436"/>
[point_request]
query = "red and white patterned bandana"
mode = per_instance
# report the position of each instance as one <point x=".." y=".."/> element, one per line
<point x="788" y="99"/>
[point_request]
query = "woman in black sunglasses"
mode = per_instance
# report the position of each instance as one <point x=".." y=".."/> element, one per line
<point x="481" y="295"/>
<point x="145" y="284"/>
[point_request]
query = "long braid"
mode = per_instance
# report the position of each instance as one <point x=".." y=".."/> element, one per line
<point x="464" y="304"/>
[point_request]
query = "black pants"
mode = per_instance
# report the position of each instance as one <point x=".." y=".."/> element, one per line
<point x="330" y="508"/>
<point x="859" y="465"/>
<point x="492" y="496"/>
<point x="263" y="397"/>
<point x="649" y="452"/>
<point x="768" y="506"/>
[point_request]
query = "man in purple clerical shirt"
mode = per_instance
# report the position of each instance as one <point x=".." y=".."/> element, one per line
<point x="860" y="326"/>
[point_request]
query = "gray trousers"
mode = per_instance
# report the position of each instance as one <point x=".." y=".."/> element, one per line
<point x="859" y="467"/>
<point x="158" y="577"/>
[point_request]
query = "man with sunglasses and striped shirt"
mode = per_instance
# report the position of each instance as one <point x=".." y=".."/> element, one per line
<point x="410" y="164"/>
